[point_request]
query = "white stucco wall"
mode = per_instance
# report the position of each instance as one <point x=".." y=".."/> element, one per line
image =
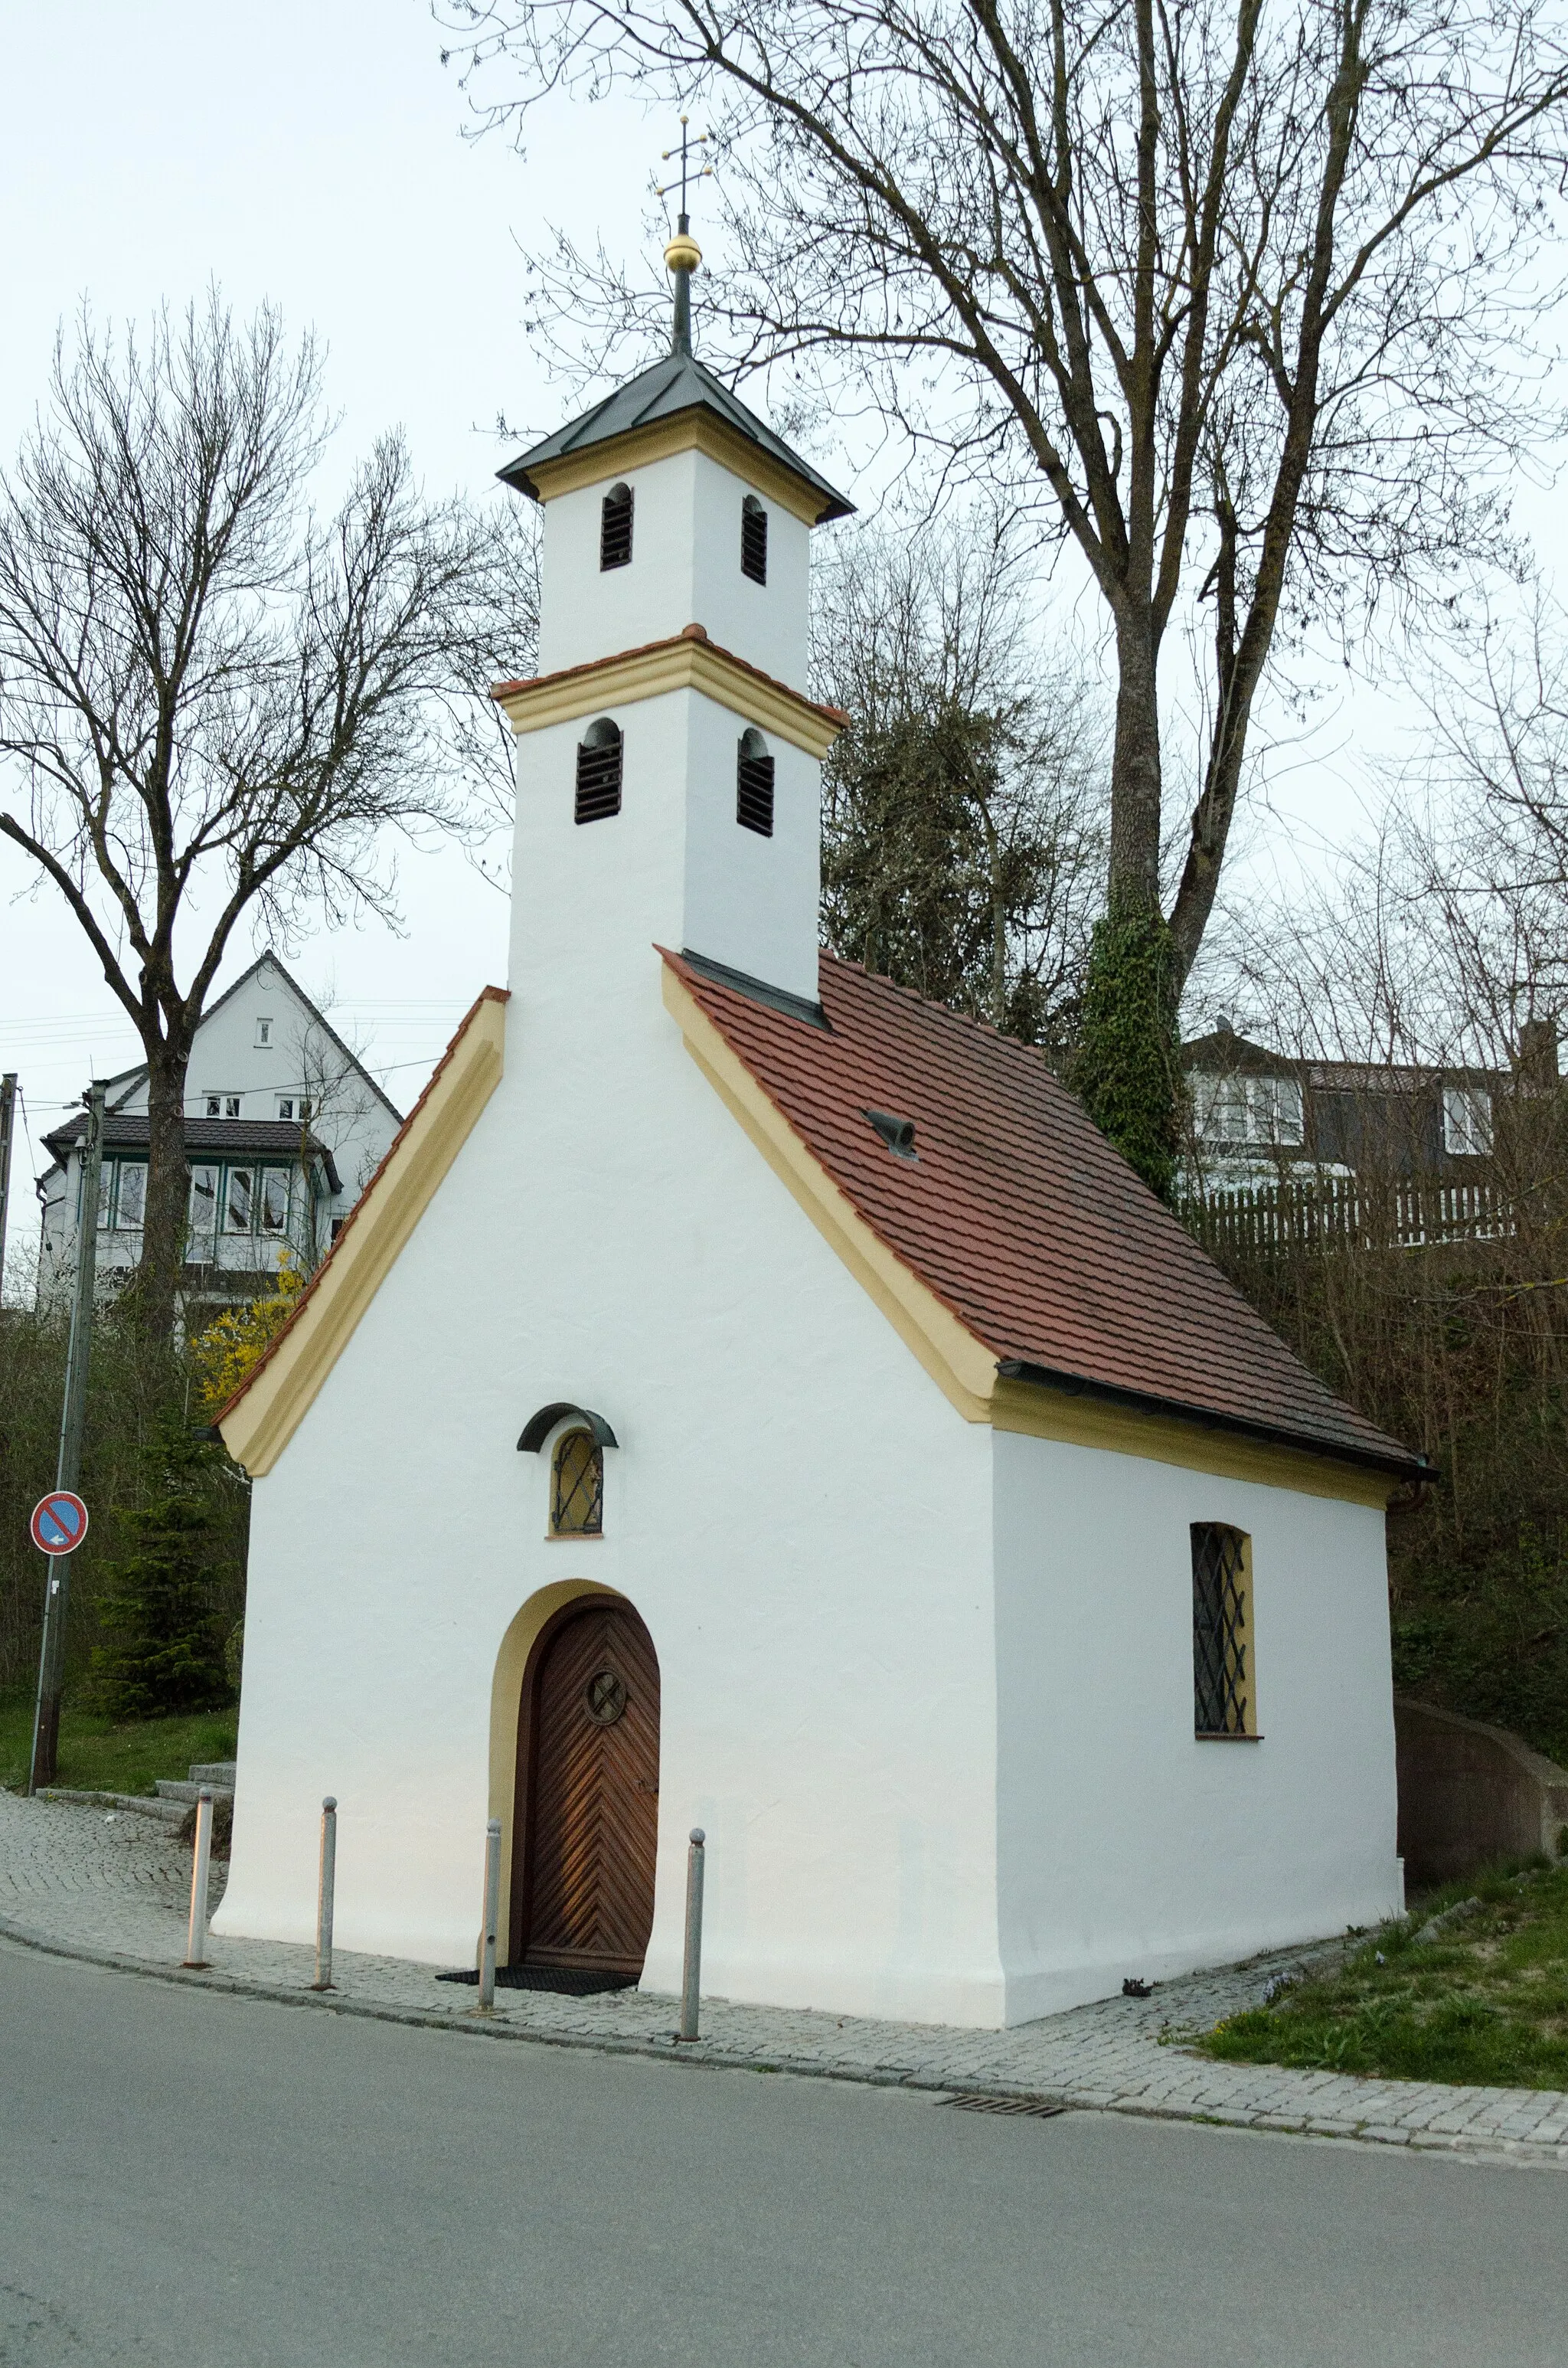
<point x="673" y="867"/>
<point x="1127" y="1846"/>
<point x="794" y="1511"/>
<point x="685" y="570"/>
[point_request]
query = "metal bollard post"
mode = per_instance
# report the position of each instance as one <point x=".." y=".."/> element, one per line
<point x="325" y="1888"/>
<point x="691" y="1972"/>
<point x="195" y="1937"/>
<point x="491" y="1916"/>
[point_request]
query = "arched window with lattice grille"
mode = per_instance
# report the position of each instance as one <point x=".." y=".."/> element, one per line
<point x="578" y="1487"/>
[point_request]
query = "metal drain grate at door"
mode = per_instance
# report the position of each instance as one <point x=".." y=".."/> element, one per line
<point x="1039" y="2109"/>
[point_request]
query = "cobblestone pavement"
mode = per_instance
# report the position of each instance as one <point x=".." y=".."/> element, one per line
<point x="115" y="1888"/>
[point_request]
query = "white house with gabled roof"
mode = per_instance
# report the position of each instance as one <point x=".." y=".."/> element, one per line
<point x="752" y="1398"/>
<point x="284" y="1128"/>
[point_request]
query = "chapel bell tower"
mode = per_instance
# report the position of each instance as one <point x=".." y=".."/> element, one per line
<point x="668" y="757"/>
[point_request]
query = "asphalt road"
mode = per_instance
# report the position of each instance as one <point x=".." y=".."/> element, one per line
<point x="200" y="2182"/>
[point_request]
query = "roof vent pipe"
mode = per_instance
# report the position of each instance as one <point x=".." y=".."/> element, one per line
<point x="898" y="1133"/>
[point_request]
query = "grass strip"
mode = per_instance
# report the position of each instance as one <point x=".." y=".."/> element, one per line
<point x="98" y="1756"/>
<point x="1482" y="1997"/>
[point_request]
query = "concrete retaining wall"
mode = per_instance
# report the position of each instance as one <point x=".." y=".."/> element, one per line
<point x="1469" y="1795"/>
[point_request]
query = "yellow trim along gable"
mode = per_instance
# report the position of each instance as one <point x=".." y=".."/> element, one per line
<point x="962" y="1367"/>
<point x="687" y="431"/>
<point x="258" y="1423"/>
<point x="687" y="662"/>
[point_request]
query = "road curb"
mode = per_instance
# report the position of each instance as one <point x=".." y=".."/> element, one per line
<point x="1514" y="2152"/>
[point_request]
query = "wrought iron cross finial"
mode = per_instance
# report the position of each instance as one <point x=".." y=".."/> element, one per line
<point x="683" y="254"/>
<point x="703" y="173"/>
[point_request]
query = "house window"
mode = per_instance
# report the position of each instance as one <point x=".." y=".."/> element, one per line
<point x="615" y="528"/>
<point x="754" y="785"/>
<point x="1224" y="1678"/>
<point x="598" y="772"/>
<point x="239" y="1200"/>
<point x="214" y="1106"/>
<point x="131" y="1195"/>
<point x="272" y="1207"/>
<point x="1467" y="1122"/>
<point x="754" y="539"/>
<point x="578" y="1487"/>
<point x="203" y="1219"/>
<point x="1248" y="1110"/>
<point x="230" y="1106"/>
<point x="285" y="1105"/>
<point x="263" y="1034"/>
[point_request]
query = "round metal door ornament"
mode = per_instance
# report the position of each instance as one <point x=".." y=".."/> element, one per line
<point x="604" y="1698"/>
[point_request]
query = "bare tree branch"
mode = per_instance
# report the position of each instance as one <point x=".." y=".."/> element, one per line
<point x="213" y="703"/>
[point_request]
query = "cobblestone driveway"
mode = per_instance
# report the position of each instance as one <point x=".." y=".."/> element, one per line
<point x="115" y="1888"/>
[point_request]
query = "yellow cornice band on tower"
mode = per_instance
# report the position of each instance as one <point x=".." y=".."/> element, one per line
<point x="682" y="663"/>
<point x="686" y="431"/>
<point x="962" y="1367"/>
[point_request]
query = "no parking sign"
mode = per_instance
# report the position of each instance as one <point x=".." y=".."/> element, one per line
<point x="59" y="1523"/>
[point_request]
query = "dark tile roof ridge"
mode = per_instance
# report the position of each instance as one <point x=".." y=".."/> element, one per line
<point x="485" y="995"/>
<point x="667" y="388"/>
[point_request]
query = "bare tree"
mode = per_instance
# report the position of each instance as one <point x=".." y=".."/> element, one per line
<point x="963" y="816"/>
<point x="213" y="703"/>
<point x="1443" y="928"/>
<point x="1238" y="296"/>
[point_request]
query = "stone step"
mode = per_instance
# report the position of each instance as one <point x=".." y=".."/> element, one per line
<point x="177" y="1788"/>
<point x="214" y="1772"/>
<point x="168" y="1812"/>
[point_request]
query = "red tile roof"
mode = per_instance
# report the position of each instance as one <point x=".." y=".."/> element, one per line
<point x="1018" y="1215"/>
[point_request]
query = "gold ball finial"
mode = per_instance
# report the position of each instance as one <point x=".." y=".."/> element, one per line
<point x="683" y="254"/>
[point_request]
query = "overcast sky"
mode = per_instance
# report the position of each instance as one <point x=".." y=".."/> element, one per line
<point x="313" y="155"/>
<point x="310" y="151"/>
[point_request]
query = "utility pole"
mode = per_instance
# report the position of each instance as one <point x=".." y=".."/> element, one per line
<point x="8" y="1129"/>
<point x="68" y="1469"/>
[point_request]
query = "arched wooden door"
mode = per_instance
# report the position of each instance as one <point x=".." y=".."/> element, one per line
<point x="587" y="1810"/>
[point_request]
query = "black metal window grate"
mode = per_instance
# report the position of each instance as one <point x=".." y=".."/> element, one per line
<point x="754" y="786"/>
<point x="1221" y="1644"/>
<point x="615" y="528"/>
<point x="754" y="539"/>
<point x="598" y="774"/>
<point x="578" y="1491"/>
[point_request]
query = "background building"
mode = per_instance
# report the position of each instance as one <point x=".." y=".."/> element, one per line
<point x="284" y="1129"/>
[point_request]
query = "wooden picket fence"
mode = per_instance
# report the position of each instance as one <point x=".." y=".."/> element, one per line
<point x="1334" y="1212"/>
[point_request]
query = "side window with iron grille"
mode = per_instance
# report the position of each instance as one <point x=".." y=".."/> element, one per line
<point x="754" y="539"/>
<point x="598" y="772"/>
<point x="1224" y="1678"/>
<point x="615" y="528"/>
<point x="754" y="784"/>
<point x="578" y="1487"/>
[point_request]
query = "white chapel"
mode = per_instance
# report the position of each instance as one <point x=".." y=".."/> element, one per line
<point x="748" y="1396"/>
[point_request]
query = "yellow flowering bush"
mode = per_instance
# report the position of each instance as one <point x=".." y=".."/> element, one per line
<point x="234" y="1343"/>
